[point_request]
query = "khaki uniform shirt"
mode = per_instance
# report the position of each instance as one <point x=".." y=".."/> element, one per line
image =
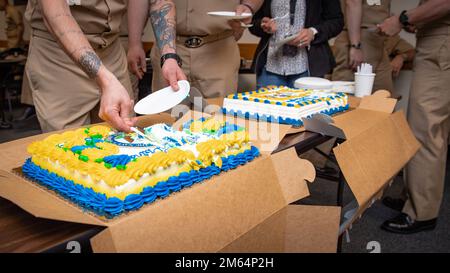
<point x="372" y="14"/>
<point x="437" y="27"/>
<point x="192" y="17"/>
<point x="396" y="45"/>
<point x="99" y="20"/>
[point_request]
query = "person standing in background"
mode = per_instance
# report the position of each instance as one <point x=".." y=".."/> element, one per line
<point x="77" y="64"/>
<point x="124" y="40"/>
<point x="312" y="22"/>
<point x="361" y="43"/>
<point x="399" y="52"/>
<point x="428" y="114"/>
<point x="206" y="46"/>
<point x="14" y="25"/>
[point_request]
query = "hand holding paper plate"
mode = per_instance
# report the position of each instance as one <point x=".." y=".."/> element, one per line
<point x="163" y="99"/>
<point x="230" y="15"/>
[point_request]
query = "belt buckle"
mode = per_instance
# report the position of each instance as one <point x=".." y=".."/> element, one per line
<point x="193" y="42"/>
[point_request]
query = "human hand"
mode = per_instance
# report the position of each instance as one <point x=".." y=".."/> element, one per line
<point x="391" y="26"/>
<point x="115" y="104"/>
<point x="136" y="61"/>
<point x="237" y="28"/>
<point x="240" y="9"/>
<point x="173" y="73"/>
<point x="397" y="64"/>
<point x="268" y="25"/>
<point x="356" y="57"/>
<point x="303" y="39"/>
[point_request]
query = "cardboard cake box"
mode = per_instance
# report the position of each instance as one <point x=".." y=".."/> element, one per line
<point x="244" y="210"/>
<point x="377" y="144"/>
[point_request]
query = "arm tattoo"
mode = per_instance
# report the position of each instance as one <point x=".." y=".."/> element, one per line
<point x="90" y="63"/>
<point x="163" y="27"/>
<point x="69" y="32"/>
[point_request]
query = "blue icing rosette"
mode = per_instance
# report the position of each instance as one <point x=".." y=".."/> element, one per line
<point x="161" y="189"/>
<point x="148" y="195"/>
<point x="185" y="179"/>
<point x="173" y="184"/>
<point x="114" y="206"/>
<point x="133" y="202"/>
<point x="195" y="176"/>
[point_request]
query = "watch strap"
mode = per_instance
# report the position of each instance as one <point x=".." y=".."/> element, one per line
<point x="167" y="56"/>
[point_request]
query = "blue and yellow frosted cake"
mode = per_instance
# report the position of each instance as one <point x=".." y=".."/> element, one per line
<point x="284" y="105"/>
<point x="110" y="173"/>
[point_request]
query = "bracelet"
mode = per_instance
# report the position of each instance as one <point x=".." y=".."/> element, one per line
<point x="249" y="7"/>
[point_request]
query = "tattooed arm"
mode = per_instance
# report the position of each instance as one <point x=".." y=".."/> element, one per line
<point x="162" y="16"/>
<point x="115" y="104"/>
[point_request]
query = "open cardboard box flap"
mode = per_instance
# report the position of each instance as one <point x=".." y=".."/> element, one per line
<point x="204" y="218"/>
<point x="286" y="232"/>
<point x="377" y="143"/>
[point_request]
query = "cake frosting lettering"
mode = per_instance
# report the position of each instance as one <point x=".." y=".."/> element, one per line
<point x="110" y="173"/>
<point x="284" y="105"/>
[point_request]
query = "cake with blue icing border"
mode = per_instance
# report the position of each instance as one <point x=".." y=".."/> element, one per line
<point x="284" y="105"/>
<point x="87" y="166"/>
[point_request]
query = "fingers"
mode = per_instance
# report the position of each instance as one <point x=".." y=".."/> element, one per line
<point x="180" y="75"/>
<point x="113" y="118"/>
<point x="143" y="63"/>
<point x="240" y="9"/>
<point x="265" y="20"/>
<point x="126" y="108"/>
<point x="173" y="81"/>
<point x="133" y="64"/>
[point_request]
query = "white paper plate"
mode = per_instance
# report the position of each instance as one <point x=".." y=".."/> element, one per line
<point x="230" y="15"/>
<point x="163" y="99"/>
<point x="344" y="86"/>
<point x="313" y="83"/>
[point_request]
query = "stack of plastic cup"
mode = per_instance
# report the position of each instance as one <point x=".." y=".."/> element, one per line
<point x="364" y="80"/>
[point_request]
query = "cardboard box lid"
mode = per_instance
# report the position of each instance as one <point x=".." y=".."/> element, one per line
<point x="205" y="217"/>
<point x="294" y="229"/>
<point x="370" y="159"/>
<point x="378" y="144"/>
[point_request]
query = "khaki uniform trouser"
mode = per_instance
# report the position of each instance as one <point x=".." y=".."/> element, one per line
<point x="374" y="54"/>
<point x="429" y="118"/>
<point x="212" y="68"/>
<point x="64" y="96"/>
<point x="26" y="96"/>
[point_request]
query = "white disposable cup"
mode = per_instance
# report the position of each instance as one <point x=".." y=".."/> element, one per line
<point x="364" y="84"/>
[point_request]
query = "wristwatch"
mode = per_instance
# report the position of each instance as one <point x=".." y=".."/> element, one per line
<point x="167" y="56"/>
<point x="252" y="10"/>
<point x="356" y="46"/>
<point x="404" y="19"/>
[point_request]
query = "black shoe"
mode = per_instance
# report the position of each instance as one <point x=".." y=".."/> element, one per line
<point x="5" y="125"/>
<point x="394" y="203"/>
<point x="403" y="224"/>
